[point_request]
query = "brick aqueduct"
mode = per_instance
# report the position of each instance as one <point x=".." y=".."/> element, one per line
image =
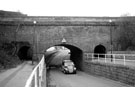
<point x="83" y="34"/>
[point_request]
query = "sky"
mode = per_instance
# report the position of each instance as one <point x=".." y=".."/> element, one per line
<point x="102" y="8"/>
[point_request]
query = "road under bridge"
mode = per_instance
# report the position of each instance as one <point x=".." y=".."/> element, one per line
<point x="55" y="77"/>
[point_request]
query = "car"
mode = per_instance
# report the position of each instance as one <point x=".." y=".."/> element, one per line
<point x="68" y="66"/>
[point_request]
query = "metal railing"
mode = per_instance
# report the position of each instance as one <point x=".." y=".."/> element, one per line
<point x="125" y="59"/>
<point x="36" y="77"/>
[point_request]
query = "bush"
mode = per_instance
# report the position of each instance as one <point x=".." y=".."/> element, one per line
<point x="7" y="59"/>
<point x="8" y="48"/>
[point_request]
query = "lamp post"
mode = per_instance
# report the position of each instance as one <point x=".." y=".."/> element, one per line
<point x="110" y="21"/>
<point x="16" y="31"/>
<point x="34" y="41"/>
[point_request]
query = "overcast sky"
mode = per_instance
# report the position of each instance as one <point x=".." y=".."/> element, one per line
<point x="70" y="7"/>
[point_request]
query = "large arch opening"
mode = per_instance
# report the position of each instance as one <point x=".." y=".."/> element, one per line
<point x="25" y="53"/>
<point x="99" y="49"/>
<point x="76" y="55"/>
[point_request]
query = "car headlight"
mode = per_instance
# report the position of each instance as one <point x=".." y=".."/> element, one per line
<point x="66" y="68"/>
<point x="74" y="68"/>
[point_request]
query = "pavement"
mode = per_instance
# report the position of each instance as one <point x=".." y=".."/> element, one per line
<point x="16" y="77"/>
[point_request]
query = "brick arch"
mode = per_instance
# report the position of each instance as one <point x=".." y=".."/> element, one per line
<point x="25" y="53"/>
<point x="76" y="54"/>
<point x="100" y="49"/>
<point x="23" y="50"/>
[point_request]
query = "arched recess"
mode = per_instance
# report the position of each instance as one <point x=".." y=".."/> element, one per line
<point x="25" y="53"/>
<point x="100" y="49"/>
<point x="76" y="55"/>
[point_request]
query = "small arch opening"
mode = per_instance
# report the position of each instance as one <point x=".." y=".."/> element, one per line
<point x="25" y="53"/>
<point x="99" y="49"/>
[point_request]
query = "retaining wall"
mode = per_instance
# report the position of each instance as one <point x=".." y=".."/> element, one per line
<point x="120" y="73"/>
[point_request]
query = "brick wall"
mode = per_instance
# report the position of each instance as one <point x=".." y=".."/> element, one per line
<point x="84" y="37"/>
<point x="115" y="72"/>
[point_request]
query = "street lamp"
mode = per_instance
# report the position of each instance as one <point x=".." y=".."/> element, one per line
<point x="34" y="22"/>
<point x="34" y="41"/>
<point x="110" y="21"/>
<point x="17" y="31"/>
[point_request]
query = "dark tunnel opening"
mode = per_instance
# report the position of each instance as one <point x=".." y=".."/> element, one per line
<point x="76" y="55"/>
<point x="25" y="53"/>
<point x="101" y="50"/>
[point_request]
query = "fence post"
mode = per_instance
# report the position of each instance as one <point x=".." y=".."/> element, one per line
<point x="33" y="82"/>
<point x="35" y="79"/>
<point x="87" y="57"/>
<point x="45" y="76"/>
<point x="113" y="56"/>
<point x="124" y="60"/>
<point x="98" y="57"/>
<point x="43" y="64"/>
<point x="92" y="57"/>
<point x="39" y="75"/>
<point x="105" y="58"/>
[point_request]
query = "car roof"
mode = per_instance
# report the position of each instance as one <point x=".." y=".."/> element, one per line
<point x="67" y="60"/>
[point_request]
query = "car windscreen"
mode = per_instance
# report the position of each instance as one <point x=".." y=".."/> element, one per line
<point x="69" y="64"/>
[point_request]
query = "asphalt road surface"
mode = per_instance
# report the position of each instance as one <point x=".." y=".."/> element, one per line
<point x="81" y="79"/>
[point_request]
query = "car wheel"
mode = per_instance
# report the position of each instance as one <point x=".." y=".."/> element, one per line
<point x="74" y="72"/>
<point x="64" y="72"/>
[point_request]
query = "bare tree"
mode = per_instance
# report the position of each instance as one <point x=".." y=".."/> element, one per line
<point x="127" y="34"/>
